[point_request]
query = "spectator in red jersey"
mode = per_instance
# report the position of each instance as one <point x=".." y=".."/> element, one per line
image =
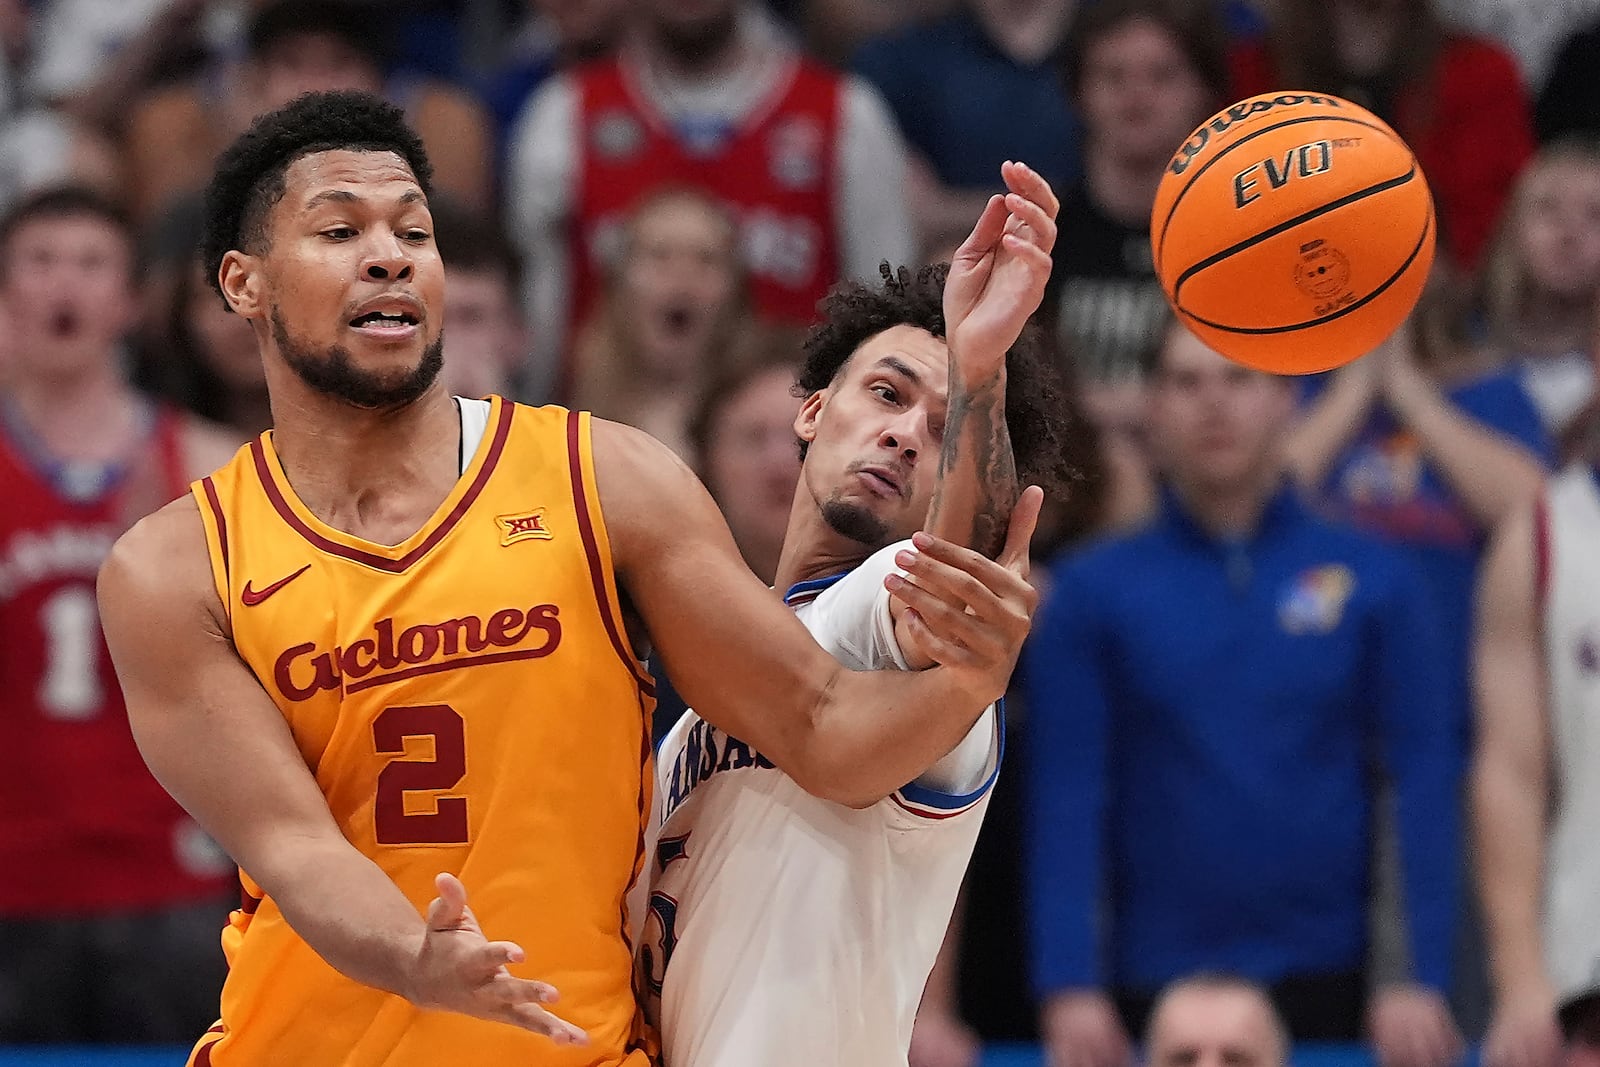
<point x="112" y="898"/>
<point x="709" y="95"/>
<point x="1456" y="99"/>
<point x="555" y="34"/>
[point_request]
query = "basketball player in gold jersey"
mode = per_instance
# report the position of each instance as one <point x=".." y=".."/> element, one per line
<point x="396" y="636"/>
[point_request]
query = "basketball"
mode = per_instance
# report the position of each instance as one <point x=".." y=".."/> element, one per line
<point x="1293" y="232"/>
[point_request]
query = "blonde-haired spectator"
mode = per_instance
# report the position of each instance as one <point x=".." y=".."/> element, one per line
<point x="1540" y="285"/>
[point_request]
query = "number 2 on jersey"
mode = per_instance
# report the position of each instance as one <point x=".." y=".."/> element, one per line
<point x="447" y="823"/>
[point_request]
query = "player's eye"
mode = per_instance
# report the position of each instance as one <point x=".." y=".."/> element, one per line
<point x="886" y="393"/>
<point x="339" y="233"/>
<point x="415" y="235"/>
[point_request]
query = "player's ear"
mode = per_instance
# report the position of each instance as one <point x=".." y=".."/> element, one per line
<point x="805" y="423"/>
<point x="240" y="277"/>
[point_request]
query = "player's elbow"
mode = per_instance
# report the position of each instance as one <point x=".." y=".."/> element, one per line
<point x="830" y="765"/>
<point x="835" y="781"/>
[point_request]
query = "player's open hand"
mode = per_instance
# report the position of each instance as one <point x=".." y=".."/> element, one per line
<point x="462" y="971"/>
<point x="997" y="276"/>
<point x="966" y="611"/>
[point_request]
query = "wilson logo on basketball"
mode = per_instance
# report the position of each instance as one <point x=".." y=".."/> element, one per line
<point x="1223" y="121"/>
<point x="427" y="648"/>
<point x="1305" y="161"/>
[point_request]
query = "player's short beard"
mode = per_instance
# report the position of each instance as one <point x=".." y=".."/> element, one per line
<point x="696" y="44"/>
<point x="855" y="522"/>
<point x="332" y="372"/>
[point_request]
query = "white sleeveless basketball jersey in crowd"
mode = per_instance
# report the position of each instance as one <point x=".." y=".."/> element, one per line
<point x="1572" y="651"/>
<point x="787" y="931"/>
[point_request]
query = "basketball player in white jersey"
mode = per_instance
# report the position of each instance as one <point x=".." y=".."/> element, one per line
<point x="785" y="929"/>
<point x="1536" y="774"/>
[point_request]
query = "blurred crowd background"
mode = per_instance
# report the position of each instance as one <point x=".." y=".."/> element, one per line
<point x="1225" y="755"/>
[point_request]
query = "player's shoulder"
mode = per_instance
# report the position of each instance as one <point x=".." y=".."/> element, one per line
<point x="161" y="556"/>
<point x="634" y="463"/>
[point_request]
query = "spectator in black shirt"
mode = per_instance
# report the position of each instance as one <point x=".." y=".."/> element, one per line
<point x="1143" y="73"/>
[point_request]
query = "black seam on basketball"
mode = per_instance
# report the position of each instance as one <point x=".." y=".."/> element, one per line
<point x="1341" y="313"/>
<point x="1161" y="241"/>
<point x="1289" y="224"/>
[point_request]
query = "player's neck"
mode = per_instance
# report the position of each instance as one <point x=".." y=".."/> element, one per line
<point x="812" y="548"/>
<point x="373" y="474"/>
<point x="87" y="415"/>
<point x="1122" y="188"/>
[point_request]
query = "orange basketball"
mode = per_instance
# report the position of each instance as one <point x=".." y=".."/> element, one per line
<point x="1293" y="232"/>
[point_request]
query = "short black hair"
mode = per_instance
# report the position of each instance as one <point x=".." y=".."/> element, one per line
<point x="69" y="202"/>
<point x="356" y="23"/>
<point x="249" y="178"/>
<point x="1038" y="415"/>
<point x="1196" y="25"/>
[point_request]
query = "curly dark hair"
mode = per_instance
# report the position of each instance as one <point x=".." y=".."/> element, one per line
<point x="1039" y="415"/>
<point x="249" y="178"/>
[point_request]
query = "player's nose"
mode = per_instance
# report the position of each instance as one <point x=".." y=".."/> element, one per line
<point x="387" y="259"/>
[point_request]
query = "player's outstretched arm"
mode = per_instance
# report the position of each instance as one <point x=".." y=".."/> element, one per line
<point x="996" y="281"/>
<point x="214" y="739"/>
<point x="746" y="664"/>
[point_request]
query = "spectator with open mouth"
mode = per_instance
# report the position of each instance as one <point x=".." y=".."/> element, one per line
<point x="676" y="316"/>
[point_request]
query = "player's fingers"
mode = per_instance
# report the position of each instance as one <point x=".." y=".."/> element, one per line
<point x="530" y="1016"/>
<point x="1025" y="181"/>
<point x="947" y="618"/>
<point x="501" y="953"/>
<point x="964" y="578"/>
<point x="1019" y="534"/>
<point x="970" y="641"/>
<point x="975" y="589"/>
<point x="508" y="989"/>
<point x="990" y="226"/>
<point x="450" y="906"/>
<point x="938" y="648"/>
<point x="1037" y="259"/>
<point x="1035" y="218"/>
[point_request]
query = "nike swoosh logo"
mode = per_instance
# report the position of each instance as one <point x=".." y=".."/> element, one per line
<point x="250" y="597"/>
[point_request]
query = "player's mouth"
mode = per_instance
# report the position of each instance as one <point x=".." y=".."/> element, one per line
<point x="392" y="319"/>
<point x="881" y="481"/>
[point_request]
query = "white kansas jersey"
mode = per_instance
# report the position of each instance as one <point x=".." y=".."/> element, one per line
<point x="787" y="930"/>
<point x="1570" y="535"/>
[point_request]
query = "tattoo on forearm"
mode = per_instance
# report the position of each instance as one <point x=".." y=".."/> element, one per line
<point x="976" y="419"/>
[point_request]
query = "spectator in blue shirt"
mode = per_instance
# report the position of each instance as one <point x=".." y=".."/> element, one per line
<point x="969" y="91"/>
<point x="1208" y="696"/>
<point x="1429" y="442"/>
